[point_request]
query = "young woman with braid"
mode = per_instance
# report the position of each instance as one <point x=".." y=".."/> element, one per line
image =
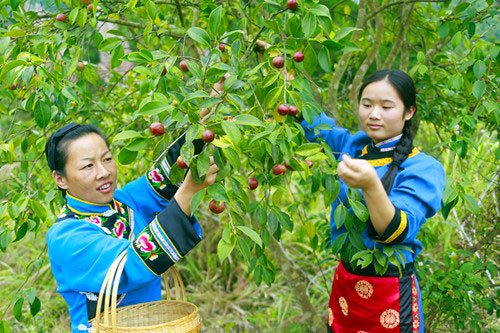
<point x="401" y="188"/>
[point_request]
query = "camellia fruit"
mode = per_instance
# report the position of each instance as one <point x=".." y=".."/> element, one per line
<point x="278" y="61"/>
<point x="90" y="7"/>
<point x="157" y="129"/>
<point x="217" y="208"/>
<point x="180" y="162"/>
<point x="279" y="169"/>
<point x="80" y="66"/>
<point x="183" y="66"/>
<point x="298" y="56"/>
<point x="222" y="47"/>
<point x="283" y="109"/>
<point x="208" y="135"/>
<point x="13" y="86"/>
<point x="292" y="110"/>
<point x="253" y="183"/>
<point x="61" y="17"/>
<point x="292" y="4"/>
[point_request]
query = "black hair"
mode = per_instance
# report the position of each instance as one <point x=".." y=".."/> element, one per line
<point x="405" y="88"/>
<point x="56" y="148"/>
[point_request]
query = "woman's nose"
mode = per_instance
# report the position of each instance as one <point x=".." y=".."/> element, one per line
<point x="102" y="171"/>
<point x="375" y="114"/>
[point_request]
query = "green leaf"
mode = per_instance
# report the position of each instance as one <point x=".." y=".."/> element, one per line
<point x="310" y="60"/>
<point x="344" y="32"/>
<point x="217" y="192"/>
<point x="82" y="17"/>
<point x="320" y="10"/>
<point x="246" y="119"/>
<point x="308" y="149"/>
<point x="339" y="215"/>
<point x="356" y="240"/>
<point x="117" y="55"/>
<point x="194" y="95"/>
<point x="4" y="326"/>
<point x="126" y="156"/>
<point x="338" y="242"/>
<point x="109" y="44"/>
<point x="4" y="44"/>
<point x="203" y="163"/>
<point x="421" y="57"/>
<point x="21" y="232"/>
<point x="226" y="244"/>
<point x="18" y="308"/>
<point x="360" y="210"/>
<point x="324" y="59"/>
<point x="199" y="35"/>
<point x="35" y="306"/>
<point x="251" y="233"/>
<point x="215" y="20"/>
<point x="153" y="107"/>
<point x="232" y="131"/>
<point x="471" y="203"/>
<point x="128" y="134"/>
<point x="196" y="200"/>
<point x="478" y="88"/>
<point x="443" y="30"/>
<point x="309" y="25"/>
<point x="138" y="144"/>
<point x="42" y="114"/>
<point x="38" y="209"/>
<point x="273" y="96"/>
<point x="479" y="69"/>
<point x="187" y="152"/>
<point x="11" y="65"/>
<point x="69" y="93"/>
<point x="233" y="157"/>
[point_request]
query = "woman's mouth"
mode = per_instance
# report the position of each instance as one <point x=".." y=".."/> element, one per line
<point x="105" y="188"/>
<point x="374" y="127"/>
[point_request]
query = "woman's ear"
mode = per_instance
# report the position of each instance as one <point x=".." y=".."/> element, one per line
<point x="60" y="180"/>
<point x="409" y="114"/>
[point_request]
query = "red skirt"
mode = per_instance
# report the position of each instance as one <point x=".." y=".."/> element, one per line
<point x="373" y="303"/>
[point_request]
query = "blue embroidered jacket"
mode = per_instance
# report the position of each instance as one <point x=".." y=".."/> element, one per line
<point x="144" y="219"/>
<point x="416" y="192"/>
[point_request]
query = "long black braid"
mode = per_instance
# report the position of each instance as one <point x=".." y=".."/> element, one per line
<point x="405" y="87"/>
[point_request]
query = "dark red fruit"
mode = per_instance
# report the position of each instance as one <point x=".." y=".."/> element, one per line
<point x="292" y="4"/>
<point x="208" y="135"/>
<point x="13" y="86"/>
<point x="217" y="208"/>
<point x="90" y="7"/>
<point x="279" y="169"/>
<point x="222" y="47"/>
<point x="278" y="61"/>
<point x="183" y="66"/>
<point x="253" y="183"/>
<point x="180" y="162"/>
<point x="283" y="109"/>
<point x="292" y="110"/>
<point x="80" y="66"/>
<point x="61" y="17"/>
<point x="298" y="56"/>
<point x="157" y="129"/>
<point x="163" y="71"/>
<point x="309" y="163"/>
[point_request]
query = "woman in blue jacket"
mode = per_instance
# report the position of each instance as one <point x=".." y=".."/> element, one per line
<point x="149" y="218"/>
<point x="401" y="188"/>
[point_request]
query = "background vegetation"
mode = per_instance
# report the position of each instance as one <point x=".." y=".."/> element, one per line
<point x="266" y="263"/>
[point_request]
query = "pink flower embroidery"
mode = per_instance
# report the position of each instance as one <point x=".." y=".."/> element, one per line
<point x="118" y="229"/>
<point x="155" y="176"/>
<point x="94" y="219"/>
<point x="144" y="243"/>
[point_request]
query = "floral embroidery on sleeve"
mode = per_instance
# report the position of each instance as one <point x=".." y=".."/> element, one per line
<point x="157" y="179"/>
<point x="148" y="249"/>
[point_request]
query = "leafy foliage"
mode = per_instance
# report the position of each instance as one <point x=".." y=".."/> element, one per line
<point x="132" y="50"/>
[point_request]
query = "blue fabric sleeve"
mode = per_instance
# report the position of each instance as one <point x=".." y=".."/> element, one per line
<point x="336" y="138"/>
<point x="86" y="252"/>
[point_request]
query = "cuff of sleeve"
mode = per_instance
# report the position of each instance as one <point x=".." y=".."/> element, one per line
<point x="396" y="231"/>
<point x="166" y="239"/>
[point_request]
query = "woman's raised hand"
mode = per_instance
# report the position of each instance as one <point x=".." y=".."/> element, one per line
<point x="189" y="187"/>
<point x="357" y="173"/>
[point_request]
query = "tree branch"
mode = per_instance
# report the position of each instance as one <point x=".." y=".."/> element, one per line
<point x="387" y="5"/>
<point x="179" y="10"/>
<point x="404" y="12"/>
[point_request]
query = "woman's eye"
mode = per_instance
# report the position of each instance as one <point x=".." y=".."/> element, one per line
<point x="387" y="107"/>
<point x="366" y="105"/>
<point x="108" y="159"/>
<point x="88" y="166"/>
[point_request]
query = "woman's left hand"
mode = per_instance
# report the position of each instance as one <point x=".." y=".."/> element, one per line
<point x="357" y="173"/>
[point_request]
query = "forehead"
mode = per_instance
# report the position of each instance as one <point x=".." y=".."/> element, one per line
<point x="381" y="90"/>
<point x="86" y="146"/>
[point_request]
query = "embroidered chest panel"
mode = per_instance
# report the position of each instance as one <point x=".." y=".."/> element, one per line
<point x="118" y="222"/>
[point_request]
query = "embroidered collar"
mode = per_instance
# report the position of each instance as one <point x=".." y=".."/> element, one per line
<point x="389" y="144"/>
<point x="82" y="207"/>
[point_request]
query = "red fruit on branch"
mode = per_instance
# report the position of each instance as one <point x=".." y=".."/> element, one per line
<point x="208" y="135"/>
<point x="157" y="129"/>
<point x="215" y="207"/>
<point x="309" y="163"/>
<point x="283" y="109"/>
<point x="292" y="4"/>
<point x="278" y="61"/>
<point x="80" y="66"/>
<point x="292" y="110"/>
<point x="90" y="7"/>
<point x="298" y="56"/>
<point x="183" y="66"/>
<point x="61" y="17"/>
<point x="13" y="86"/>
<point x="180" y="163"/>
<point x="253" y="183"/>
<point x="222" y="47"/>
<point x="279" y="169"/>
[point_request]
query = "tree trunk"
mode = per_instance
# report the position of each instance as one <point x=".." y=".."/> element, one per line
<point x="404" y="13"/>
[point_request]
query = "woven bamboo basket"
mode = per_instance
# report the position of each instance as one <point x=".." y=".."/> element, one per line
<point x="166" y="316"/>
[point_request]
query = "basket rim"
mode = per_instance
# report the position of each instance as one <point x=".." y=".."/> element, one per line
<point x="194" y="313"/>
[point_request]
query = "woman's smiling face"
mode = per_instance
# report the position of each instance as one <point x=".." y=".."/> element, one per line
<point x="90" y="170"/>
<point x="382" y="112"/>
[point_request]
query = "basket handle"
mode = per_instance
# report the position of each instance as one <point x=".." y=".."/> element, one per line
<point x="109" y="290"/>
